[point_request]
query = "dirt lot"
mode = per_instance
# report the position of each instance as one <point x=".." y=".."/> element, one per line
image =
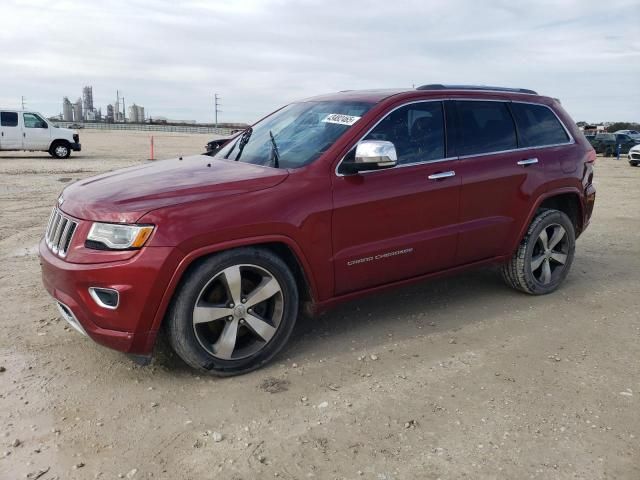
<point x="454" y="378"/>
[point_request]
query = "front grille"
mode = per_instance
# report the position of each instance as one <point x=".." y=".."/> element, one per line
<point x="76" y="138"/>
<point x="635" y="156"/>
<point x="59" y="232"/>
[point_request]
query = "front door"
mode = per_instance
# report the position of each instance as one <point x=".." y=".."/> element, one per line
<point x="36" y="132"/>
<point x="10" y="131"/>
<point x="400" y="222"/>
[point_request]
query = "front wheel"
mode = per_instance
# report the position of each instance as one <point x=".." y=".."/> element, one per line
<point x="544" y="257"/>
<point x="60" y="150"/>
<point x="234" y="312"/>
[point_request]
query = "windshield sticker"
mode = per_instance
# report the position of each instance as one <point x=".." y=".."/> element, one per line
<point x="340" y="119"/>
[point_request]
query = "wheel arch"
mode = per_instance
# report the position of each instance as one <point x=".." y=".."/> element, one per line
<point x="567" y="200"/>
<point x="282" y="246"/>
<point x="57" y="141"/>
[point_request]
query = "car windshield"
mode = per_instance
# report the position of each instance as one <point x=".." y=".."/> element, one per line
<point x="295" y="135"/>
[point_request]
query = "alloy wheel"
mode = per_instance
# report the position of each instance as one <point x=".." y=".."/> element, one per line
<point x="550" y="253"/>
<point x="238" y="312"/>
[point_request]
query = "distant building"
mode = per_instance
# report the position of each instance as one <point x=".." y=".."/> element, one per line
<point x="109" y="118"/>
<point x="77" y="111"/>
<point x="87" y="100"/>
<point x="67" y="110"/>
<point x="118" y="117"/>
<point x="136" y="114"/>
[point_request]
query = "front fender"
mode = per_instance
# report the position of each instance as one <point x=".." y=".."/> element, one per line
<point x="194" y="255"/>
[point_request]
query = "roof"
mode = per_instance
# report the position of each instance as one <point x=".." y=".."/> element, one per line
<point x="377" y="95"/>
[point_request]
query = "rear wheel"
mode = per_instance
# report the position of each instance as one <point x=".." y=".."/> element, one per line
<point x="544" y="257"/>
<point x="234" y="313"/>
<point x="60" y="150"/>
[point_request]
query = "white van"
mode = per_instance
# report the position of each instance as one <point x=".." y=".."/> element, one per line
<point x="23" y="130"/>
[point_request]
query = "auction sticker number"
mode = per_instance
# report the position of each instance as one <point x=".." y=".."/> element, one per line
<point x="340" y="119"/>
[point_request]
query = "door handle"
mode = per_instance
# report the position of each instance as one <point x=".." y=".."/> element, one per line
<point x="528" y="161"/>
<point x="441" y="175"/>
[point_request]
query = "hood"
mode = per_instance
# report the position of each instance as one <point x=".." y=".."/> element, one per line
<point x="125" y="195"/>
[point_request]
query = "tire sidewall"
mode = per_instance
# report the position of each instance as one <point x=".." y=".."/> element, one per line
<point x="554" y="217"/>
<point x="181" y="332"/>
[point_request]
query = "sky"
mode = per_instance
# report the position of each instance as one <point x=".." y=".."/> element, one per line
<point x="172" y="56"/>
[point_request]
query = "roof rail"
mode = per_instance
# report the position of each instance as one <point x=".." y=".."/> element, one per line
<point x="439" y="86"/>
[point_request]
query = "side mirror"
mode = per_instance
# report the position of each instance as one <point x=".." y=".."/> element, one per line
<point x="372" y="155"/>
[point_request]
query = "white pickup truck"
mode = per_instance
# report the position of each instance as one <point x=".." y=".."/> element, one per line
<point x="24" y="130"/>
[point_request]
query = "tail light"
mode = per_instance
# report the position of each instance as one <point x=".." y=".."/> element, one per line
<point x="591" y="156"/>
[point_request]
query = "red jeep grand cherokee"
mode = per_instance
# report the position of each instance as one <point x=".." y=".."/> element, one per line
<point x="324" y="200"/>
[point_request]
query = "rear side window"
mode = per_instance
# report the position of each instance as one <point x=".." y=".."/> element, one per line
<point x="485" y="127"/>
<point x="9" y="119"/>
<point x="538" y="126"/>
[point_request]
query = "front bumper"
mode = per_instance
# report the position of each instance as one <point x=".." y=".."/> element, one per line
<point x="141" y="282"/>
<point x="76" y="147"/>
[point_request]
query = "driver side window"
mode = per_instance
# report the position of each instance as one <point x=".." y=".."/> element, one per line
<point x="31" y="120"/>
<point x="416" y="130"/>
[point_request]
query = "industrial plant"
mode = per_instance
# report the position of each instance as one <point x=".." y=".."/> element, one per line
<point x="83" y="110"/>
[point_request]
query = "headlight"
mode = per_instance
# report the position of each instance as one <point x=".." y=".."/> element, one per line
<point x="119" y="237"/>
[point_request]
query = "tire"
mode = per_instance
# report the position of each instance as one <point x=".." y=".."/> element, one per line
<point x="60" y="150"/>
<point x="213" y="333"/>
<point x="527" y="269"/>
<point x="633" y="164"/>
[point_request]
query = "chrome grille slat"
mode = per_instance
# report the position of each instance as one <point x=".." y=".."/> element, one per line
<point x="59" y="232"/>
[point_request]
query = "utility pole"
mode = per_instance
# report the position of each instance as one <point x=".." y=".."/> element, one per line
<point x="216" y="104"/>
<point x="23" y="100"/>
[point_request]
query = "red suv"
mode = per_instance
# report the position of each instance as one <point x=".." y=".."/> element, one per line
<point x="322" y="201"/>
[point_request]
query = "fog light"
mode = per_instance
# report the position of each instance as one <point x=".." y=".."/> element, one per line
<point x="105" y="297"/>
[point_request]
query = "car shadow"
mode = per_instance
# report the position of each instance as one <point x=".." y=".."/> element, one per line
<point x="366" y="322"/>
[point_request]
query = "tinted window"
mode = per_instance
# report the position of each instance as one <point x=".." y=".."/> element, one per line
<point x="416" y="130"/>
<point x="31" y="120"/>
<point x="485" y="127"/>
<point x="537" y="125"/>
<point x="9" y="119"/>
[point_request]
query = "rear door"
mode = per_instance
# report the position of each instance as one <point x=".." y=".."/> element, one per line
<point x="497" y="185"/>
<point x="503" y="170"/>
<point x="10" y="131"/>
<point x="36" y="134"/>
<point x="400" y="222"/>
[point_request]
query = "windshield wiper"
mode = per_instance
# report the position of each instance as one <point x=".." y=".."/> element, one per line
<point x="274" y="151"/>
<point x="241" y="142"/>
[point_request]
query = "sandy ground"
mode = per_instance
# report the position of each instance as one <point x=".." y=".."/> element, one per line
<point x="454" y="378"/>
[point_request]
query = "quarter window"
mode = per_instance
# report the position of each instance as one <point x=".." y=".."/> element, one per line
<point x="485" y="127"/>
<point x="31" y="120"/>
<point x="9" y="119"/>
<point x="416" y="130"/>
<point x="538" y="126"/>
